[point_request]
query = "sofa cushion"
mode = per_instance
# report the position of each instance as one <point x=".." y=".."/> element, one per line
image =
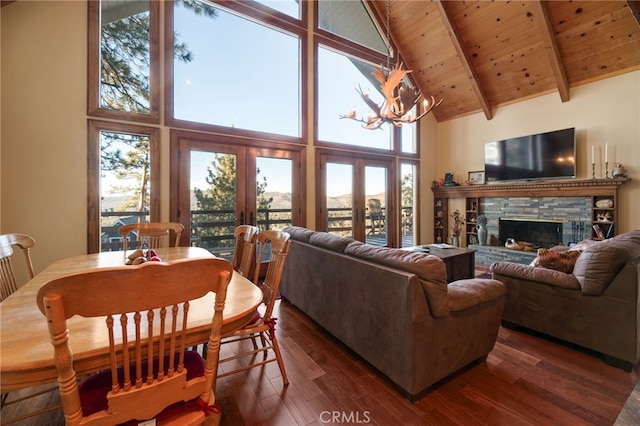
<point x="330" y="241"/>
<point x="425" y="266"/>
<point x="429" y="269"/>
<point x="464" y="294"/>
<point x="540" y="275"/>
<point x="562" y="261"/>
<point x="599" y="263"/>
<point x="299" y="233"/>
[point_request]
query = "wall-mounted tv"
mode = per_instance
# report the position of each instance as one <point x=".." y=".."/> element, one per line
<point x="550" y="155"/>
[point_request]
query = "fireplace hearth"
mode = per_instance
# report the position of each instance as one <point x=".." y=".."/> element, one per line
<point x="541" y="233"/>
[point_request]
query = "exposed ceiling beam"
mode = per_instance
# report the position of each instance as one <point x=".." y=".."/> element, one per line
<point x="635" y="9"/>
<point x="541" y="15"/>
<point x="456" y="38"/>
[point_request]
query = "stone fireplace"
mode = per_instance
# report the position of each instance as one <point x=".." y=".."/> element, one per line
<point x="541" y="233"/>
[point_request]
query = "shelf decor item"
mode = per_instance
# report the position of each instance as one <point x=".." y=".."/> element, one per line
<point x="476" y="178"/>
<point x="481" y="226"/>
<point x="456" y="229"/>
<point x="605" y="203"/>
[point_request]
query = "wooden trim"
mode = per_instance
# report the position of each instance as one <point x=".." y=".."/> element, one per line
<point x="456" y="38"/>
<point x="569" y="188"/>
<point x="552" y="48"/>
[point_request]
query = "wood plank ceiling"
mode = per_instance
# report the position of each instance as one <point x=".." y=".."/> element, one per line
<point x="480" y="55"/>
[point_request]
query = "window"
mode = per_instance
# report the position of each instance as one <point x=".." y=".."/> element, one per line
<point x="235" y="83"/>
<point x="339" y="77"/>
<point x="350" y="20"/>
<point x="234" y="72"/>
<point x="124" y="60"/>
<point x="122" y="182"/>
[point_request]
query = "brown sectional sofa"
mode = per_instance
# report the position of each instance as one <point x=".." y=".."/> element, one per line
<point x="393" y="307"/>
<point x="595" y="306"/>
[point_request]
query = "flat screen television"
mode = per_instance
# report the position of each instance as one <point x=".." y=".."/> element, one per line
<point x="549" y="155"/>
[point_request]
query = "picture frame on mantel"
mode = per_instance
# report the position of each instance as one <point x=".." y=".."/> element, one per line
<point x="476" y="178"/>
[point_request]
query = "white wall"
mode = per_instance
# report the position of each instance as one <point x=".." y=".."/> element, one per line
<point x="44" y="154"/>
<point x="606" y="111"/>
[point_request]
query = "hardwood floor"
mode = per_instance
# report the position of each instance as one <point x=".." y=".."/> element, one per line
<point x="526" y="380"/>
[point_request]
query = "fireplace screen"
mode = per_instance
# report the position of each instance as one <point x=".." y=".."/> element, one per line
<point x="541" y="233"/>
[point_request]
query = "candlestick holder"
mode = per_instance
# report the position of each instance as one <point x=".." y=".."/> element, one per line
<point x="593" y="170"/>
<point x="606" y="170"/>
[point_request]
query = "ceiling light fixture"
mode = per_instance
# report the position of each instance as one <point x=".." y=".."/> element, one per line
<point x="399" y="99"/>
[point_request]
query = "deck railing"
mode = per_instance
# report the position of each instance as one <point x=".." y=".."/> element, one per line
<point x="213" y="229"/>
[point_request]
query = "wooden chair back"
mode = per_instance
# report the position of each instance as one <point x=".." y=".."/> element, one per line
<point x="244" y="254"/>
<point x="8" y="283"/>
<point x="147" y="313"/>
<point x="277" y="244"/>
<point x="262" y="327"/>
<point x="155" y="234"/>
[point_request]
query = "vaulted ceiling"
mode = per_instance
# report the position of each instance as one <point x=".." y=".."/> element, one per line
<point x="481" y="55"/>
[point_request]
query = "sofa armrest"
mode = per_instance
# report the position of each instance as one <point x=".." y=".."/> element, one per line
<point x="464" y="294"/>
<point x="536" y="274"/>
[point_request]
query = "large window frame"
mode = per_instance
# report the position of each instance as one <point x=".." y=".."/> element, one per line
<point x="95" y="128"/>
<point x="264" y="16"/>
<point x="308" y="32"/>
<point x="94" y="57"/>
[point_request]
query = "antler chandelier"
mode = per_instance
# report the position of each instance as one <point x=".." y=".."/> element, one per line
<point x="399" y="99"/>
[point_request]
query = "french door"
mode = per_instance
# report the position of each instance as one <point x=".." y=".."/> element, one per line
<point x="355" y="197"/>
<point x="222" y="185"/>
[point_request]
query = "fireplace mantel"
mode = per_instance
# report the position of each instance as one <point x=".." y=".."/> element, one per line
<point x="564" y="188"/>
<point x="593" y="189"/>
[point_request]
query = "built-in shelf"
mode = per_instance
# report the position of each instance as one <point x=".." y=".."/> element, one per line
<point x="603" y="218"/>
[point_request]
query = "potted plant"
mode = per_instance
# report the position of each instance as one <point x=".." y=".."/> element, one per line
<point x="456" y="229"/>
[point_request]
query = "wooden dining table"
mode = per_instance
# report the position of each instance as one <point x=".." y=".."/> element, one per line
<point x="26" y="353"/>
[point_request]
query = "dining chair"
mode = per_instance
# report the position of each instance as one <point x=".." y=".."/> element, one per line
<point x="25" y="243"/>
<point x="8" y="285"/>
<point x="244" y="253"/>
<point x="155" y="234"/>
<point x="154" y="377"/>
<point x="262" y="326"/>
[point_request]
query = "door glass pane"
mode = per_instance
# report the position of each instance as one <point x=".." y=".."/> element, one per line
<point x="408" y="214"/>
<point x="376" y="199"/>
<point x="125" y="56"/>
<point x="125" y="184"/>
<point x="213" y="183"/>
<point x="274" y="193"/>
<point x="339" y="79"/>
<point x="225" y="73"/>
<point x="340" y="199"/>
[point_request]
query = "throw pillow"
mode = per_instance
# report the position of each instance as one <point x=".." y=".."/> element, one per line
<point x="562" y="261"/>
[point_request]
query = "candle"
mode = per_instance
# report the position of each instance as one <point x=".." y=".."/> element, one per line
<point x="606" y="153"/>
<point x="593" y="154"/>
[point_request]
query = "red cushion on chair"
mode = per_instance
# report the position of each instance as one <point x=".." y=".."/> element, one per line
<point x="94" y="390"/>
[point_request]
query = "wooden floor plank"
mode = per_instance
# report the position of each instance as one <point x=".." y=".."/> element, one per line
<point x="528" y="379"/>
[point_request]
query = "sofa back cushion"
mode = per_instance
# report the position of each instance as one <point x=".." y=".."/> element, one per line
<point x="599" y="263"/>
<point x="330" y="241"/>
<point x="299" y="233"/>
<point x="429" y="269"/>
